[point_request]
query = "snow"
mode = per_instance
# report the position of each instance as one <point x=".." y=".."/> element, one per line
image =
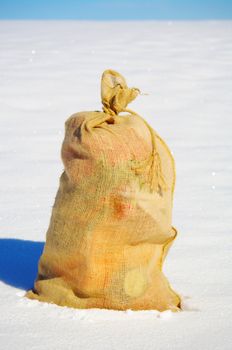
<point x="51" y="69"/>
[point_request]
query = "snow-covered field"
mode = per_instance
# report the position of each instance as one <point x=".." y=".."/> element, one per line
<point x="49" y="70"/>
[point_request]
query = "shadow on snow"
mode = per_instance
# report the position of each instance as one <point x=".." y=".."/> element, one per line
<point x="19" y="262"/>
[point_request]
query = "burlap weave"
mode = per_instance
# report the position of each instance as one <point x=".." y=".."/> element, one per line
<point x="111" y="223"/>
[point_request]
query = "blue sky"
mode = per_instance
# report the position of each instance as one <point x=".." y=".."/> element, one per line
<point x="116" y="10"/>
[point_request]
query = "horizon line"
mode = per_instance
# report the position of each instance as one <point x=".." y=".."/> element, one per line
<point x="118" y="19"/>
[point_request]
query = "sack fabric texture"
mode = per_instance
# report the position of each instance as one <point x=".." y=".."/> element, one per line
<point x="111" y="223"/>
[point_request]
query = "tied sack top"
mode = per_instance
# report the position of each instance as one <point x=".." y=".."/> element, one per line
<point x="110" y="228"/>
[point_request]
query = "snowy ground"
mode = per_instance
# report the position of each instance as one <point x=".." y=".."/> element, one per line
<point x="49" y="70"/>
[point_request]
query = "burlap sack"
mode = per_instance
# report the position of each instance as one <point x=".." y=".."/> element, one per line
<point x="110" y="228"/>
